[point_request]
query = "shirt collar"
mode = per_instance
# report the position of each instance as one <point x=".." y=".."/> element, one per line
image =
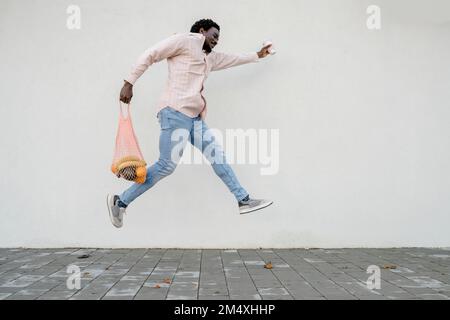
<point x="201" y="38"/>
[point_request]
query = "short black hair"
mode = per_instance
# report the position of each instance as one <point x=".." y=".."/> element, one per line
<point x="205" y="24"/>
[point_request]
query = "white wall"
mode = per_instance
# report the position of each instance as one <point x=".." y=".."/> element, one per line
<point x="363" y="118"/>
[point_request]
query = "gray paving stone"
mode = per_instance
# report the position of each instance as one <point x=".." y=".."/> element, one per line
<point x="184" y="286"/>
<point x="57" y="295"/>
<point x="182" y="295"/>
<point x="255" y="296"/>
<point x="213" y="297"/>
<point x="23" y="281"/>
<point x="433" y="296"/>
<point x="27" y="294"/>
<point x="123" y="290"/>
<point x="4" y="295"/>
<point x="152" y="296"/>
<point x="420" y="273"/>
<point x="214" y="291"/>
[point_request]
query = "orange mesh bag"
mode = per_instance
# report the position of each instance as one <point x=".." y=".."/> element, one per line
<point x="128" y="162"/>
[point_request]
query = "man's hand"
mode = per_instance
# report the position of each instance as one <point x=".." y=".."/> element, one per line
<point x="264" y="52"/>
<point x="126" y="93"/>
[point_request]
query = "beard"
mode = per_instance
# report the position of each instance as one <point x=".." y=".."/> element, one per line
<point x="206" y="47"/>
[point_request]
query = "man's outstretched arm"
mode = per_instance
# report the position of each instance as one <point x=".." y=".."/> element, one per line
<point x="167" y="48"/>
<point x="226" y="60"/>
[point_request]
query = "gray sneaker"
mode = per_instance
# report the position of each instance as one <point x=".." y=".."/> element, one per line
<point x="115" y="212"/>
<point x="252" y="205"/>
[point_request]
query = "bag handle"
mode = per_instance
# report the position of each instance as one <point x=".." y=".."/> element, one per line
<point x="121" y="112"/>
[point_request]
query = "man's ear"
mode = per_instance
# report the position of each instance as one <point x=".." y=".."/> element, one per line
<point x="202" y="31"/>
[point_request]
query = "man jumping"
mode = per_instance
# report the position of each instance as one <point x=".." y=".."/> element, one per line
<point x="190" y="59"/>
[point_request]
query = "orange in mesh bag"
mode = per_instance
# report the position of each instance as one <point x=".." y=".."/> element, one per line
<point x="128" y="162"/>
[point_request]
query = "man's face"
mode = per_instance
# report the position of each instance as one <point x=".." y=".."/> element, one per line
<point x="211" y="38"/>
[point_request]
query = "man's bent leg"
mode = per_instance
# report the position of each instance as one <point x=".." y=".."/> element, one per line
<point x="203" y="139"/>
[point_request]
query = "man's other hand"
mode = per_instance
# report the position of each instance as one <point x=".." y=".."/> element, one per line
<point x="264" y="52"/>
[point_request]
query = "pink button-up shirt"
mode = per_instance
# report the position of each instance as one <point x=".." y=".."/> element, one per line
<point x="189" y="67"/>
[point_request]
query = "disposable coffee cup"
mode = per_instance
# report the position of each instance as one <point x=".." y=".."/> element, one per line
<point x="272" y="51"/>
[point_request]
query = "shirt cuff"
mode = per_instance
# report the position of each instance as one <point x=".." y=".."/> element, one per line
<point x="130" y="79"/>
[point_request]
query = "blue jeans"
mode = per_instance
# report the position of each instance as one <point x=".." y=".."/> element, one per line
<point x="171" y="120"/>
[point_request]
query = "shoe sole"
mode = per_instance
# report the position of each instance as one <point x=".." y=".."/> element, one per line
<point x="109" y="203"/>
<point x="257" y="208"/>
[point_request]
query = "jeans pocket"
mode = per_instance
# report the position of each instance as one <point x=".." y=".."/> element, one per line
<point x="164" y="120"/>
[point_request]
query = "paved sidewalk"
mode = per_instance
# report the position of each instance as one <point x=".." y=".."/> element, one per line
<point x="413" y="273"/>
